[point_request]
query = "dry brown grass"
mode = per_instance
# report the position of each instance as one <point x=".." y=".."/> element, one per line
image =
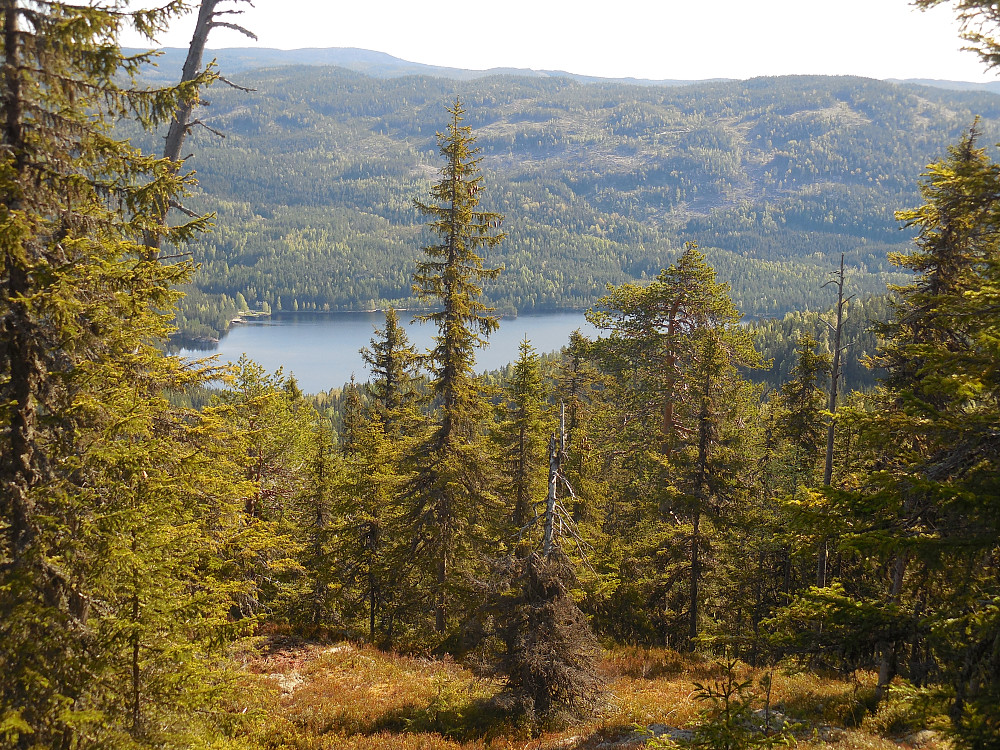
<point x="328" y="697"/>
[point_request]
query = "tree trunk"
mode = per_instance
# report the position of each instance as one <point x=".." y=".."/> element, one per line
<point x="701" y="483"/>
<point x="557" y="449"/>
<point x="441" y="607"/>
<point x="887" y="667"/>
<point x="695" y="576"/>
<point x="181" y="122"/>
<point x="19" y="465"/>
<point x="822" y="557"/>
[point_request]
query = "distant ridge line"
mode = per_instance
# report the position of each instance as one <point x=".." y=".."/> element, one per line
<point x="383" y="65"/>
<point x="377" y="65"/>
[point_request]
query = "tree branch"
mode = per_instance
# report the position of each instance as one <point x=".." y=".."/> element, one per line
<point x="234" y="27"/>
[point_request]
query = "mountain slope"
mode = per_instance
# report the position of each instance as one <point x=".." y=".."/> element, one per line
<point x="600" y="183"/>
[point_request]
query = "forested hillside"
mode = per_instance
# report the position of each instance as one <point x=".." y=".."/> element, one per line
<point x="601" y="183"/>
<point x="649" y="538"/>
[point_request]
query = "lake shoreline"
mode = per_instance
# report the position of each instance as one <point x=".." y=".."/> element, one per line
<point x="322" y="347"/>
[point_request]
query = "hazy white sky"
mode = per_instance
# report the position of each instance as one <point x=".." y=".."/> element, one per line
<point x="683" y="39"/>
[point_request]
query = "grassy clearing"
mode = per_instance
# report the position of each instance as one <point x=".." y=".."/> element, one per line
<point x="343" y="696"/>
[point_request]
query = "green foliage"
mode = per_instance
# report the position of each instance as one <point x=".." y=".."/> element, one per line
<point x="393" y="363"/>
<point x="521" y="437"/>
<point x="112" y="619"/>
<point x="919" y="506"/>
<point x="268" y="440"/>
<point x="800" y="411"/>
<point x="729" y="722"/>
<point x="371" y="544"/>
<point x="776" y="339"/>
<point x="731" y="719"/>
<point x="149" y="523"/>
<point x="775" y="177"/>
<point x="673" y="348"/>
<point x="450" y="496"/>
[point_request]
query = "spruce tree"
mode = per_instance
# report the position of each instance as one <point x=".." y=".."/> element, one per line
<point x="319" y="521"/>
<point x="370" y="543"/>
<point x="393" y="363"/>
<point x="94" y="470"/>
<point x="801" y="420"/>
<point x="268" y="436"/>
<point x="521" y="437"/>
<point x="942" y="405"/>
<point x="578" y="386"/>
<point x="451" y="493"/>
<point x="922" y="507"/>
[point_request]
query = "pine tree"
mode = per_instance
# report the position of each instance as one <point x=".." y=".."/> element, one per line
<point x="674" y="347"/>
<point x="451" y="492"/>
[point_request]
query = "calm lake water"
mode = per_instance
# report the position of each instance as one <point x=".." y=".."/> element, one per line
<point x="322" y="349"/>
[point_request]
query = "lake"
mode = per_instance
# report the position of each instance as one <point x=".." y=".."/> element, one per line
<point x="322" y="349"/>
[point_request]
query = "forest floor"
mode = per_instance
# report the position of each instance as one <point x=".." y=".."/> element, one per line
<point x="332" y="696"/>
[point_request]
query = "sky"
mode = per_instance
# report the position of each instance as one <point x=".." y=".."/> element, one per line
<point x="654" y="39"/>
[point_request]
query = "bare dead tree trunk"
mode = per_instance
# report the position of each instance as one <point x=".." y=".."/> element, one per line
<point x="181" y="124"/>
<point x="557" y="449"/>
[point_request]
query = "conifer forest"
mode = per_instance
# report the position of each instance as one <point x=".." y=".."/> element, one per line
<point x="760" y="508"/>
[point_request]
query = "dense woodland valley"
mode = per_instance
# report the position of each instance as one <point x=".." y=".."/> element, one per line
<point x="684" y="532"/>
<point x="601" y="183"/>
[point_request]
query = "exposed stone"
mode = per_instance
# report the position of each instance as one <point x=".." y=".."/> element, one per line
<point x="568" y="742"/>
<point x="774" y="720"/>
<point x="639" y="738"/>
<point x="287" y="682"/>
<point x="830" y="734"/>
<point x="921" y="738"/>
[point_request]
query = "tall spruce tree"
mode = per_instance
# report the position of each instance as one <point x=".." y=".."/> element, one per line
<point x="923" y="507"/>
<point x="451" y="493"/>
<point x="943" y="406"/>
<point x="93" y="471"/>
